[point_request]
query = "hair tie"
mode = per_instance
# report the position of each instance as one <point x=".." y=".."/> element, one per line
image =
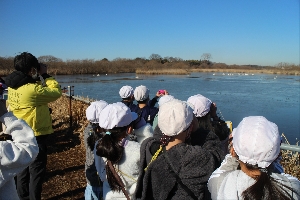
<point x="164" y="140"/>
<point x="107" y="133"/>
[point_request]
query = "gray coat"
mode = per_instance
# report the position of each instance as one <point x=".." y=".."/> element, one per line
<point x="90" y="169"/>
<point x="193" y="164"/>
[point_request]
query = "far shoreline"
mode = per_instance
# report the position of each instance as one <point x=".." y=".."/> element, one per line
<point x="241" y="71"/>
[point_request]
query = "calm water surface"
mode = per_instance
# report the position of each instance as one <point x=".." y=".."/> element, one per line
<point x="274" y="96"/>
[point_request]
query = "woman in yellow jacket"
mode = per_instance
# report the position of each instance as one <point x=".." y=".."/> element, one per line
<point x="28" y="99"/>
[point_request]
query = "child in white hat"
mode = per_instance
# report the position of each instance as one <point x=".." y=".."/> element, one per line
<point x="246" y="172"/>
<point x="126" y="93"/>
<point x="205" y="112"/>
<point x="124" y="155"/>
<point x="146" y="107"/>
<point x="161" y="101"/>
<point x="92" y="133"/>
<point x="177" y="170"/>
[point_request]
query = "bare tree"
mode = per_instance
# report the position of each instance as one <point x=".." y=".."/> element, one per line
<point x="155" y="57"/>
<point x="49" y="58"/>
<point x="206" y="56"/>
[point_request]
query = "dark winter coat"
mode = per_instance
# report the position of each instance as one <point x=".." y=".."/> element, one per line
<point x="193" y="164"/>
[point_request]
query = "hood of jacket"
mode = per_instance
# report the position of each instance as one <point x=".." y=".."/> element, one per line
<point x="143" y="133"/>
<point x="17" y="79"/>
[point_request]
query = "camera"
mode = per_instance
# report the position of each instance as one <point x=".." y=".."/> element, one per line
<point x="161" y="91"/>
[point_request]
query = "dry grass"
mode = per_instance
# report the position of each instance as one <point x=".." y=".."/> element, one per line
<point x="65" y="178"/>
<point x="290" y="161"/>
<point x="163" y="71"/>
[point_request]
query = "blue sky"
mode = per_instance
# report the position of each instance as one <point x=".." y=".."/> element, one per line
<point x="257" y="32"/>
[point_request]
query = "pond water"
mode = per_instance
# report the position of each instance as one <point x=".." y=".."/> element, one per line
<point x="275" y="97"/>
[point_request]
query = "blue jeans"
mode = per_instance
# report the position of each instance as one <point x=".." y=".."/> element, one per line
<point x="93" y="193"/>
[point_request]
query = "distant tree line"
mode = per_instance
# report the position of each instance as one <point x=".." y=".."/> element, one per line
<point x="57" y="66"/>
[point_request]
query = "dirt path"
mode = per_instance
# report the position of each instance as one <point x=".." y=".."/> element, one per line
<point x="65" y="177"/>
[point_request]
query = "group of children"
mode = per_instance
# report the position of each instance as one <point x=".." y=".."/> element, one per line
<point x="179" y="150"/>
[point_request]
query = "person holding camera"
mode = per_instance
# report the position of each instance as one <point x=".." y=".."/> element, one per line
<point x="16" y="153"/>
<point x="146" y="107"/>
<point x="206" y="113"/>
<point x="28" y="100"/>
<point x="165" y="98"/>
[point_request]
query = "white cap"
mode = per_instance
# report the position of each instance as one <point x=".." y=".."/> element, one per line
<point x="116" y="115"/>
<point x="94" y="110"/>
<point x="164" y="99"/>
<point x="141" y="93"/>
<point x="200" y="103"/>
<point x="174" y="117"/>
<point x="256" y="141"/>
<point x="126" y="91"/>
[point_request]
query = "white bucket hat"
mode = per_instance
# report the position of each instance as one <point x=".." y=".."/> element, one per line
<point x="116" y="115"/>
<point x="174" y="117"/>
<point x="201" y="104"/>
<point x="94" y="110"/>
<point x="126" y="91"/>
<point x="164" y="99"/>
<point x="141" y="93"/>
<point x="256" y="141"/>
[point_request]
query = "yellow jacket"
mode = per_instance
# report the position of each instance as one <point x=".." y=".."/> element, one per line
<point x="30" y="103"/>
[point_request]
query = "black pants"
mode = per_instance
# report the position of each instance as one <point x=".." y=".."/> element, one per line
<point x="30" y="180"/>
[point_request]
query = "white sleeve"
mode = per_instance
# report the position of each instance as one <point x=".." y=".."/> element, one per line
<point x="100" y="165"/>
<point x="143" y="133"/>
<point x="17" y="154"/>
<point x="215" y="180"/>
<point x="295" y="184"/>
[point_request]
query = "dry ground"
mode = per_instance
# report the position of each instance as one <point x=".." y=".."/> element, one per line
<point x="65" y="178"/>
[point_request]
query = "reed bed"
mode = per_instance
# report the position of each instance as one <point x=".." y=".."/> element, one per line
<point x="290" y="160"/>
<point x="163" y="71"/>
<point x="65" y="178"/>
